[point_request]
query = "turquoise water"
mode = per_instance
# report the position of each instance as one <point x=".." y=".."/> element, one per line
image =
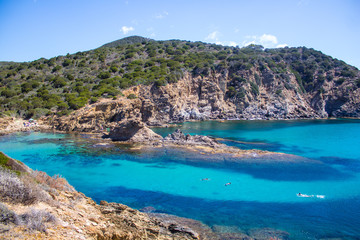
<point x="260" y="195"/>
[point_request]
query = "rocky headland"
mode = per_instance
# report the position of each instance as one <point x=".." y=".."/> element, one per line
<point x="119" y="91"/>
<point x="206" y="98"/>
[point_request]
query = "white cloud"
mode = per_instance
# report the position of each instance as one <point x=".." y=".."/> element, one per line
<point x="232" y="44"/>
<point x="151" y="31"/>
<point x="126" y="29"/>
<point x="162" y="15"/>
<point x="214" y="36"/>
<point x="282" y="45"/>
<point x="266" y="40"/>
<point x="247" y="43"/>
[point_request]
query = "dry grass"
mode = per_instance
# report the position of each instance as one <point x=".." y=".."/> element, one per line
<point x="7" y="216"/>
<point x="36" y="219"/>
<point x="13" y="189"/>
<point x="56" y="182"/>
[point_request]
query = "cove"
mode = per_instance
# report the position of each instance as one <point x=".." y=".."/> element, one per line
<point x="259" y="196"/>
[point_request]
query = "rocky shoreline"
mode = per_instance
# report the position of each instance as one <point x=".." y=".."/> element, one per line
<point x="53" y="209"/>
<point x="81" y="218"/>
<point x="11" y="125"/>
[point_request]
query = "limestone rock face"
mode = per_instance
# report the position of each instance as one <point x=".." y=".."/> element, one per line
<point x="99" y="116"/>
<point x="217" y="96"/>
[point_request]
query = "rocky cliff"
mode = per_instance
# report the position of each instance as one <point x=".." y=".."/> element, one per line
<point x="217" y="97"/>
<point x="175" y="80"/>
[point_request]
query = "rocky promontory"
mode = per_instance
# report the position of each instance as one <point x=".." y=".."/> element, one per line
<point x="203" y="149"/>
<point x="208" y="98"/>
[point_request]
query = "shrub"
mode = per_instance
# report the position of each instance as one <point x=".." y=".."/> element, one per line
<point x="59" y="82"/>
<point x="37" y="112"/>
<point x="8" y="93"/>
<point x="66" y="62"/>
<point x="21" y="189"/>
<point x="340" y="81"/>
<point x="93" y="99"/>
<point x="57" y="68"/>
<point x="114" y="69"/>
<point x="56" y="181"/>
<point x="7" y="216"/>
<point x="254" y="88"/>
<point x="131" y="96"/>
<point x="3" y="160"/>
<point x="12" y="189"/>
<point x="36" y="219"/>
<point x="104" y="75"/>
<point x="231" y="91"/>
<point x="160" y="82"/>
<point x="70" y="77"/>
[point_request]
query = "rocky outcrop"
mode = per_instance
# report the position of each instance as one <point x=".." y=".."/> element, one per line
<point x="179" y="138"/>
<point x="265" y="95"/>
<point x="132" y="131"/>
<point x="141" y="225"/>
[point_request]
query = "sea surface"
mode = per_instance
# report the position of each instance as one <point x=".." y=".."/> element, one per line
<point x="261" y="194"/>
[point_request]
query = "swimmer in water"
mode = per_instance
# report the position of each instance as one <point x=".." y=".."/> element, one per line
<point x="304" y="195"/>
<point x="227" y="184"/>
<point x="205" y="179"/>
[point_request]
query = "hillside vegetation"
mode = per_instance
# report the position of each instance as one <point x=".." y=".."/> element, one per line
<point x="65" y="83"/>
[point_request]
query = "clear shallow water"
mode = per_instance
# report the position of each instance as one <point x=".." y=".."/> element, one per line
<point x="259" y="196"/>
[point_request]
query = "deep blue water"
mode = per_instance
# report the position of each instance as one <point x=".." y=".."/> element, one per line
<point x="261" y="194"/>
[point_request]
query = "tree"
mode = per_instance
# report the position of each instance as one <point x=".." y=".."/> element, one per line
<point x="66" y="62"/>
<point x="59" y="82"/>
<point x="114" y="69"/>
<point x="104" y="75"/>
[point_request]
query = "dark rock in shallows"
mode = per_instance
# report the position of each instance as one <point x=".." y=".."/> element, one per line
<point x="132" y="131"/>
<point x="178" y="137"/>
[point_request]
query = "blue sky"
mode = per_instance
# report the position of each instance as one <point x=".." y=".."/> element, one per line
<point x="31" y="29"/>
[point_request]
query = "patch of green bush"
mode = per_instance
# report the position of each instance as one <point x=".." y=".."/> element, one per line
<point x="254" y="88"/>
<point x="4" y="160"/>
<point x="132" y="96"/>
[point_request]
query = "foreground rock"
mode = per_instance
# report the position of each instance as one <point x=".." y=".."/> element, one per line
<point x="53" y="209"/>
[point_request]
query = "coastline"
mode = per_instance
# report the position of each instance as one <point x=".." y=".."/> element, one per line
<point x="58" y="211"/>
<point x="208" y="151"/>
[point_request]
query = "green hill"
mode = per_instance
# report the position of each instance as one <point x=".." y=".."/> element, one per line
<point x="65" y="83"/>
<point x="128" y="40"/>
